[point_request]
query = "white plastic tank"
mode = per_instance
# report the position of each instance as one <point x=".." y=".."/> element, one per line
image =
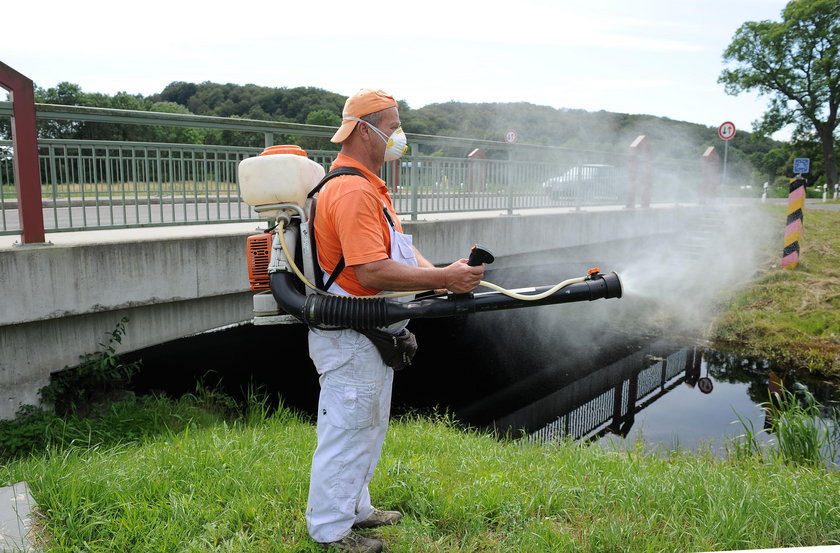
<point x="279" y="175"/>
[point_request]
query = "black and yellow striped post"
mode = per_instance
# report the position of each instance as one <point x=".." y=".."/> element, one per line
<point x="793" y="228"/>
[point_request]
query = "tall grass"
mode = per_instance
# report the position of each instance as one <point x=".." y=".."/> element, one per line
<point x="805" y="432"/>
<point x="241" y="485"/>
<point x="802" y="434"/>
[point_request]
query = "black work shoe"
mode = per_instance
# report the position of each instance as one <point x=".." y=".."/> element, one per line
<point x="354" y="543"/>
<point x="379" y="518"/>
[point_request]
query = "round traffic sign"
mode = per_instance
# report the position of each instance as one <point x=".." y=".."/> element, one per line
<point x="510" y="136"/>
<point x="705" y="385"/>
<point x="727" y="130"/>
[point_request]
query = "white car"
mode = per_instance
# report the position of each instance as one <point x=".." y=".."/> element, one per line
<point x="590" y="179"/>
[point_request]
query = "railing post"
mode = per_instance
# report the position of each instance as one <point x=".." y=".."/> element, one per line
<point x="25" y="145"/>
<point x="711" y="174"/>
<point x="639" y="173"/>
<point x="413" y="180"/>
<point x="476" y="171"/>
<point x="510" y="177"/>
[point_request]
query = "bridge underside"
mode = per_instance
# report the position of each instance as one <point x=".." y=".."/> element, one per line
<point x="33" y="350"/>
<point x="62" y="300"/>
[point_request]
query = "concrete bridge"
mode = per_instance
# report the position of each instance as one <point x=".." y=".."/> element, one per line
<point x="61" y="300"/>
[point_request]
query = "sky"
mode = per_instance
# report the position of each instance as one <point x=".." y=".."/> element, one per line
<point x="656" y="57"/>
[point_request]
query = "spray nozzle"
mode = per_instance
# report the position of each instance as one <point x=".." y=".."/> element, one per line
<point x="479" y="255"/>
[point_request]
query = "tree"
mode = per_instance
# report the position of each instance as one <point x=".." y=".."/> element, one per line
<point x="797" y="63"/>
<point x="770" y="164"/>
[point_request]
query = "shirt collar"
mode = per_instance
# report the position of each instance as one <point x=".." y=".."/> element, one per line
<point x="343" y="160"/>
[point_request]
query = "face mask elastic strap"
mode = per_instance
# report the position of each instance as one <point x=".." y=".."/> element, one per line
<point x="381" y="134"/>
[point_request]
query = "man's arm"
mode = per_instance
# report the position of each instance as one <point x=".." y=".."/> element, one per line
<point x="421" y="261"/>
<point x="388" y="274"/>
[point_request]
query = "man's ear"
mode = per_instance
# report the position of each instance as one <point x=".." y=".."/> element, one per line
<point x="363" y="129"/>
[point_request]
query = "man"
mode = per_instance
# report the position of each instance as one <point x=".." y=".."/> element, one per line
<point x="356" y="222"/>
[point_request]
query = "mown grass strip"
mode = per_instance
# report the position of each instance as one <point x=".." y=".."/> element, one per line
<point x="791" y="316"/>
<point x="242" y="486"/>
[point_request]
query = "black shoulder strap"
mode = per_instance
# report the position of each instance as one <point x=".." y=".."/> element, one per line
<point x="337" y="172"/>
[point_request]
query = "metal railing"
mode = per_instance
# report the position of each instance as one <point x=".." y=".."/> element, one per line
<point x="87" y="184"/>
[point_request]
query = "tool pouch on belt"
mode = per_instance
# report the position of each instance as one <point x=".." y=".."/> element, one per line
<point x="397" y="350"/>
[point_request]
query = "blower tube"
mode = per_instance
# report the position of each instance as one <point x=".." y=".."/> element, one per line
<point x="367" y="313"/>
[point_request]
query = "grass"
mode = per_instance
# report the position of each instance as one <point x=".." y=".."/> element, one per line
<point x="791" y="316"/>
<point x="240" y="484"/>
<point x="803" y="435"/>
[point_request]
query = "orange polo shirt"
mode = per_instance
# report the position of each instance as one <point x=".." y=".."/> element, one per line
<point x="349" y="221"/>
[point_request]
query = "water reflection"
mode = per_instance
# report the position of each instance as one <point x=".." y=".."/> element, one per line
<point x="667" y="396"/>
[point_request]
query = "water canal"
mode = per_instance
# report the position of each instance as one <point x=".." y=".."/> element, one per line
<point x="579" y="371"/>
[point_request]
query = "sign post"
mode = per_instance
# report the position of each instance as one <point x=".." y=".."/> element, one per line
<point x="510" y="138"/>
<point x="726" y="131"/>
<point x="795" y="216"/>
<point x="793" y="225"/>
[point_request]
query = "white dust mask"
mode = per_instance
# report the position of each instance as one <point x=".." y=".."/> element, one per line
<point x="395" y="145"/>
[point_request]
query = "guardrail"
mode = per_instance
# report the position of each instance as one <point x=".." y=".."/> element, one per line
<point x="87" y="184"/>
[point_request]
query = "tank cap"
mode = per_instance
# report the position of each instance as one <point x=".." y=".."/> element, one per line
<point x="284" y="149"/>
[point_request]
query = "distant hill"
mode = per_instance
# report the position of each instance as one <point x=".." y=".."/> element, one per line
<point x="540" y="125"/>
<point x="534" y="124"/>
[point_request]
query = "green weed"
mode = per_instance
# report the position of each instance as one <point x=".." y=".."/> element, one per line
<point x="97" y="376"/>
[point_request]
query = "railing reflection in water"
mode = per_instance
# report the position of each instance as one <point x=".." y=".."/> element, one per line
<point x="605" y="400"/>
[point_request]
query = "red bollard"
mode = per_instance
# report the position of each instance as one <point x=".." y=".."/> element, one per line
<point x="25" y="144"/>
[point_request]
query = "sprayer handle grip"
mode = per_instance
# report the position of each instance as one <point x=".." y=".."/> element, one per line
<point x="479" y="255"/>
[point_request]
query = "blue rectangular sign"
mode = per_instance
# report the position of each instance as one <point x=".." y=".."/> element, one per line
<point x="801" y="164"/>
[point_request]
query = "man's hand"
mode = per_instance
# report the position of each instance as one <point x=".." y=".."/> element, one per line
<point x="461" y="278"/>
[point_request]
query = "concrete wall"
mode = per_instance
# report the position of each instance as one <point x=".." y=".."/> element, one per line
<point x="61" y="300"/>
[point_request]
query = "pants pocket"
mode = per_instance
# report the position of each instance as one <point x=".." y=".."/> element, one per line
<point x="348" y="407"/>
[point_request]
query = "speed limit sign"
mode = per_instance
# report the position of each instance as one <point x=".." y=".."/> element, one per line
<point x="727" y="130"/>
<point x="511" y="136"/>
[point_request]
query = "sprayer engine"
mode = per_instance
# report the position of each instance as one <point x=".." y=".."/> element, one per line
<point x="276" y="183"/>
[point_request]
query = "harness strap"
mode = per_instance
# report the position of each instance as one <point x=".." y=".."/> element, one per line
<point x="337" y="172"/>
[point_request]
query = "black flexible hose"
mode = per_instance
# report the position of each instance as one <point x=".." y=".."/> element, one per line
<point x="364" y="313"/>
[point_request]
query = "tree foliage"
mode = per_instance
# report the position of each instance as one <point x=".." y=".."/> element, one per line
<point x="797" y="63"/>
<point x="252" y="101"/>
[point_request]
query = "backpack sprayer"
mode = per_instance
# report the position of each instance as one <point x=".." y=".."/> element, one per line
<point x="276" y="183"/>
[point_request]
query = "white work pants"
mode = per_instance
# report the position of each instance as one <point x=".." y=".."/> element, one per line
<point x="353" y="411"/>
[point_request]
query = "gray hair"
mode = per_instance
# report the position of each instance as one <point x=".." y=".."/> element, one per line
<point x="373" y="118"/>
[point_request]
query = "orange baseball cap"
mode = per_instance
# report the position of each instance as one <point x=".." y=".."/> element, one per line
<point x="364" y="102"/>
